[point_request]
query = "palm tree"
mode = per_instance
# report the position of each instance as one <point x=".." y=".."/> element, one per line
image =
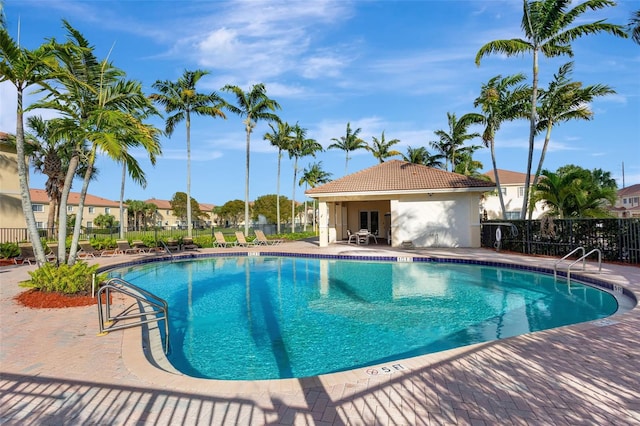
<point x="279" y="137"/>
<point x="180" y="100"/>
<point x="24" y="68"/>
<point x="349" y="142"/>
<point x="501" y="99"/>
<point x="101" y="109"/>
<point x="300" y="146"/>
<point x="564" y="100"/>
<point x="547" y="29"/>
<point x="421" y="155"/>
<point x="381" y="149"/>
<point x="449" y="143"/>
<point x="312" y="177"/>
<point x="634" y="26"/>
<point x="3" y="22"/>
<point x="253" y="105"/>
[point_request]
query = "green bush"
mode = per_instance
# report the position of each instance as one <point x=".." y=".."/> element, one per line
<point x="64" y="278"/>
<point x="8" y="250"/>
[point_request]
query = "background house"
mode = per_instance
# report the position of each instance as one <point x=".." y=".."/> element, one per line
<point x="11" y="214"/>
<point x="165" y="217"/>
<point x="512" y="186"/>
<point x="628" y="202"/>
<point x="403" y="202"/>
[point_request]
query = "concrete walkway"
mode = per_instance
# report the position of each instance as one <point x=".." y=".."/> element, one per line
<point x="55" y="370"/>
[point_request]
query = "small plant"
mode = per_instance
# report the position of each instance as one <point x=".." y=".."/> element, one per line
<point x="8" y="250"/>
<point x="64" y="278"/>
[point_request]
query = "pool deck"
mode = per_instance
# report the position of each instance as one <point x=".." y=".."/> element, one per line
<point x="55" y="370"/>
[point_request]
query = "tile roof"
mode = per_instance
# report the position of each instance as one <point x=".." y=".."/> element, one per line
<point x="40" y="196"/>
<point x="398" y="176"/>
<point x="507" y="177"/>
<point x="166" y="205"/>
<point x="629" y="190"/>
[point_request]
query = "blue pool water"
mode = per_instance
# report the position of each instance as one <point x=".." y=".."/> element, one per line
<point x="249" y="318"/>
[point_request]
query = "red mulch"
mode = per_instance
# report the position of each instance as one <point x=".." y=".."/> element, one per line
<point x="39" y="299"/>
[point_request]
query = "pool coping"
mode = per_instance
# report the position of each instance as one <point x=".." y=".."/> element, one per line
<point x="142" y="350"/>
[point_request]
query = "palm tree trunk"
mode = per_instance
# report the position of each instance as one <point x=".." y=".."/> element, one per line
<point x="278" y="192"/>
<point x="189" y="226"/>
<point x="83" y="193"/>
<point x="497" y="179"/>
<point x="62" y="208"/>
<point x="547" y="138"/>
<point x="293" y="196"/>
<point x="51" y="217"/>
<point x="246" y="180"/>
<point x="25" y="195"/>
<point x="532" y="133"/>
<point x="124" y="175"/>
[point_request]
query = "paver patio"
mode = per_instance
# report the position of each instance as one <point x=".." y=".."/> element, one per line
<point x="55" y="370"/>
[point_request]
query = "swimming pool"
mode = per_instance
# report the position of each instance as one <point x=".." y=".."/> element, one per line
<point x="249" y="318"/>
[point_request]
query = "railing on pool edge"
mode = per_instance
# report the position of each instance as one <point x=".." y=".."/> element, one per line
<point x="152" y="308"/>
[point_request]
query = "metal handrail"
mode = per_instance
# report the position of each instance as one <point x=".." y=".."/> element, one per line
<point x="159" y="308"/>
<point x="555" y="265"/>
<point x="583" y="258"/>
<point x="166" y="249"/>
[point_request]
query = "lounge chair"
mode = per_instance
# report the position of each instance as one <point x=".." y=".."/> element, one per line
<point x="125" y="248"/>
<point x="52" y="256"/>
<point x="26" y="254"/>
<point x="261" y="240"/>
<point x="188" y="244"/>
<point x="242" y="241"/>
<point x="86" y="251"/>
<point x="172" y="245"/>
<point x="352" y="237"/>
<point x="140" y="245"/>
<point x="221" y="242"/>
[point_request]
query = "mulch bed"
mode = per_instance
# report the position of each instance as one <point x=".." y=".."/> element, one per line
<point x="39" y="299"/>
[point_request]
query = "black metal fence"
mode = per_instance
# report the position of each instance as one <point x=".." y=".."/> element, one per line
<point x="617" y="239"/>
<point x="15" y="235"/>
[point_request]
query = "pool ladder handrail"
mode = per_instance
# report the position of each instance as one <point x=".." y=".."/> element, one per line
<point x="159" y="308"/>
<point x="582" y="258"/>
<point x="166" y="249"/>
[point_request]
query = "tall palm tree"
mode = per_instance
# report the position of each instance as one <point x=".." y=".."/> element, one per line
<point x="547" y="29"/>
<point x="422" y="156"/>
<point x="300" y="146"/>
<point x="180" y="100"/>
<point x="349" y="142"/>
<point x="312" y="177"/>
<point x="3" y="22"/>
<point x="564" y="100"/>
<point x="280" y="137"/>
<point x="254" y="106"/>
<point x="501" y="99"/>
<point x="381" y="149"/>
<point x="102" y="111"/>
<point x="449" y="143"/>
<point x="24" y="68"/>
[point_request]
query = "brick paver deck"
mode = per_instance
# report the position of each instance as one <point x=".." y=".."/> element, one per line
<point x="55" y="370"/>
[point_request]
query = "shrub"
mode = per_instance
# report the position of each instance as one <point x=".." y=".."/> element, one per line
<point x="8" y="250"/>
<point x="64" y="278"/>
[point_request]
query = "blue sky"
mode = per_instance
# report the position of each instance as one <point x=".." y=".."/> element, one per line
<point x="392" y="66"/>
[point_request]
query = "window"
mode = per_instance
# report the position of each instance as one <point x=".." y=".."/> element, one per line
<point x="369" y="220"/>
<point x="40" y="225"/>
<point x="504" y="190"/>
<point x="521" y="191"/>
<point x="38" y="207"/>
<point x="89" y="225"/>
<point x="513" y="215"/>
<point x="92" y="209"/>
<point x="70" y="209"/>
<point x="167" y="212"/>
<point x="107" y="210"/>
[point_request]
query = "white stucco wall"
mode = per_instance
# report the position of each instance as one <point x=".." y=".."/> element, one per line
<point x="449" y="220"/>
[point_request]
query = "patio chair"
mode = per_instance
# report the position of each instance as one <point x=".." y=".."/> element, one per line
<point x="261" y="240"/>
<point x="364" y="236"/>
<point x="188" y="244"/>
<point x="140" y="245"/>
<point x="352" y="237"/>
<point x="125" y="248"/>
<point x="221" y="242"/>
<point x="26" y="254"/>
<point x="242" y="241"/>
<point x="86" y="251"/>
<point x="173" y="245"/>
<point x="52" y="255"/>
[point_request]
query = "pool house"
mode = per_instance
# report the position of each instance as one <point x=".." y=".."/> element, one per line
<point x="402" y="204"/>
